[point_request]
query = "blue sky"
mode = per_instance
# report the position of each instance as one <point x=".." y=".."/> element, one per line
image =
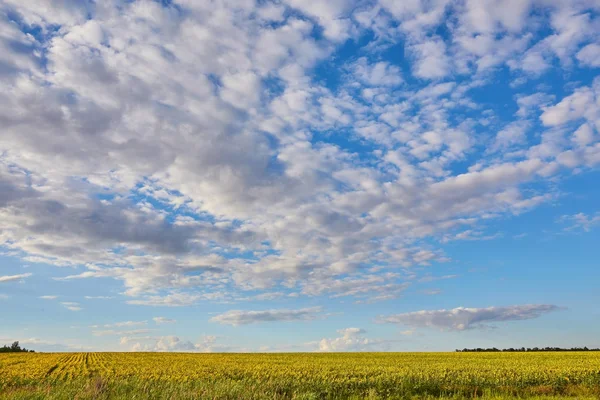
<point x="299" y="175"/>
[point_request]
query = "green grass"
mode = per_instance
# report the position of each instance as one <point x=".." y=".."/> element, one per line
<point x="96" y="388"/>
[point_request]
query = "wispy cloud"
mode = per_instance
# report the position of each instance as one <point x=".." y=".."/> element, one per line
<point x="122" y="324"/>
<point x="431" y="292"/>
<point x="127" y="332"/>
<point x="72" y="306"/>
<point x="11" y="278"/>
<point x="163" y="320"/>
<point x="580" y="221"/>
<point x="171" y="300"/>
<point x="461" y="318"/>
<point x="431" y="278"/>
<point x="241" y="317"/>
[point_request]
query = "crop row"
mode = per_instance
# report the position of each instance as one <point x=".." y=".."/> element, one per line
<point x="352" y="373"/>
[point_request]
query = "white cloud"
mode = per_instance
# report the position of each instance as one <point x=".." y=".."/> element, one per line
<point x="513" y="134"/>
<point x="581" y="221"/>
<point x="430" y="278"/>
<point x="408" y="332"/>
<point x="52" y="12"/>
<point x="193" y="155"/>
<point x="534" y="61"/>
<point x="377" y="74"/>
<point x="461" y="318"/>
<point x="12" y="278"/>
<point x="490" y="15"/>
<point x="125" y="324"/>
<point x="571" y="27"/>
<point x="163" y="320"/>
<point x="584" y="135"/>
<point x="578" y="105"/>
<point x="431" y="61"/>
<point x="331" y="14"/>
<point x="351" y="339"/>
<point x="127" y="332"/>
<point x="590" y="55"/>
<point x="206" y="344"/>
<point x="529" y="104"/>
<point x="71" y="306"/>
<point x="469" y="234"/>
<point x="242" y="90"/>
<point x="242" y="317"/>
<point x="49" y="297"/>
<point x="367" y="288"/>
<point x="171" y="300"/>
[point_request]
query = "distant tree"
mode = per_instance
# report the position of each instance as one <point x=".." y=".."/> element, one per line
<point x="523" y="349"/>
<point x="14" y="348"/>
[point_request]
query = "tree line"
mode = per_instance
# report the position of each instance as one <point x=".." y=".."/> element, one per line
<point x="14" y="348"/>
<point x="524" y="349"/>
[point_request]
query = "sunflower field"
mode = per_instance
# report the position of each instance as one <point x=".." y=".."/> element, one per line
<point x="299" y="375"/>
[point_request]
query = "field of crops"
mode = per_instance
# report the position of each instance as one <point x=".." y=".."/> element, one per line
<point x="299" y="376"/>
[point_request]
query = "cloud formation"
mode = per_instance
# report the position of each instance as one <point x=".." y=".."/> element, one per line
<point x="113" y="332"/>
<point x="461" y="318"/>
<point x="352" y="339"/>
<point x="163" y="320"/>
<point x="123" y="324"/>
<point x="195" y="152"/>
<point x="580" y="221"/>
<point x="12" y="278"/>
<point x="71" y="306"/>
<point x="241" y="317"/>
<point x="206" y="344"/>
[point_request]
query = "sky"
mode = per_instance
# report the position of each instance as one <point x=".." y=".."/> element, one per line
<point x="299" y="175"/>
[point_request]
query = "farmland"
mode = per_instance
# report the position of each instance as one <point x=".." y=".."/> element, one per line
<point x="299" y="376"/>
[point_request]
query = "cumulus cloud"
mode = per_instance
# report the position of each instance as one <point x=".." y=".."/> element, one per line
<point x="590" y="55"/>
<point x="192" y="153"/>
<point x="513" y="134"/>
<point x="352" y="339"/>
<point x="206" y="344"/>
<point x="12" y="278"/>
<point x="431" y="60"/>
<point x="377" y="74"/>
<point x="241" y="317"/>
<point x="461" y="318"/>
